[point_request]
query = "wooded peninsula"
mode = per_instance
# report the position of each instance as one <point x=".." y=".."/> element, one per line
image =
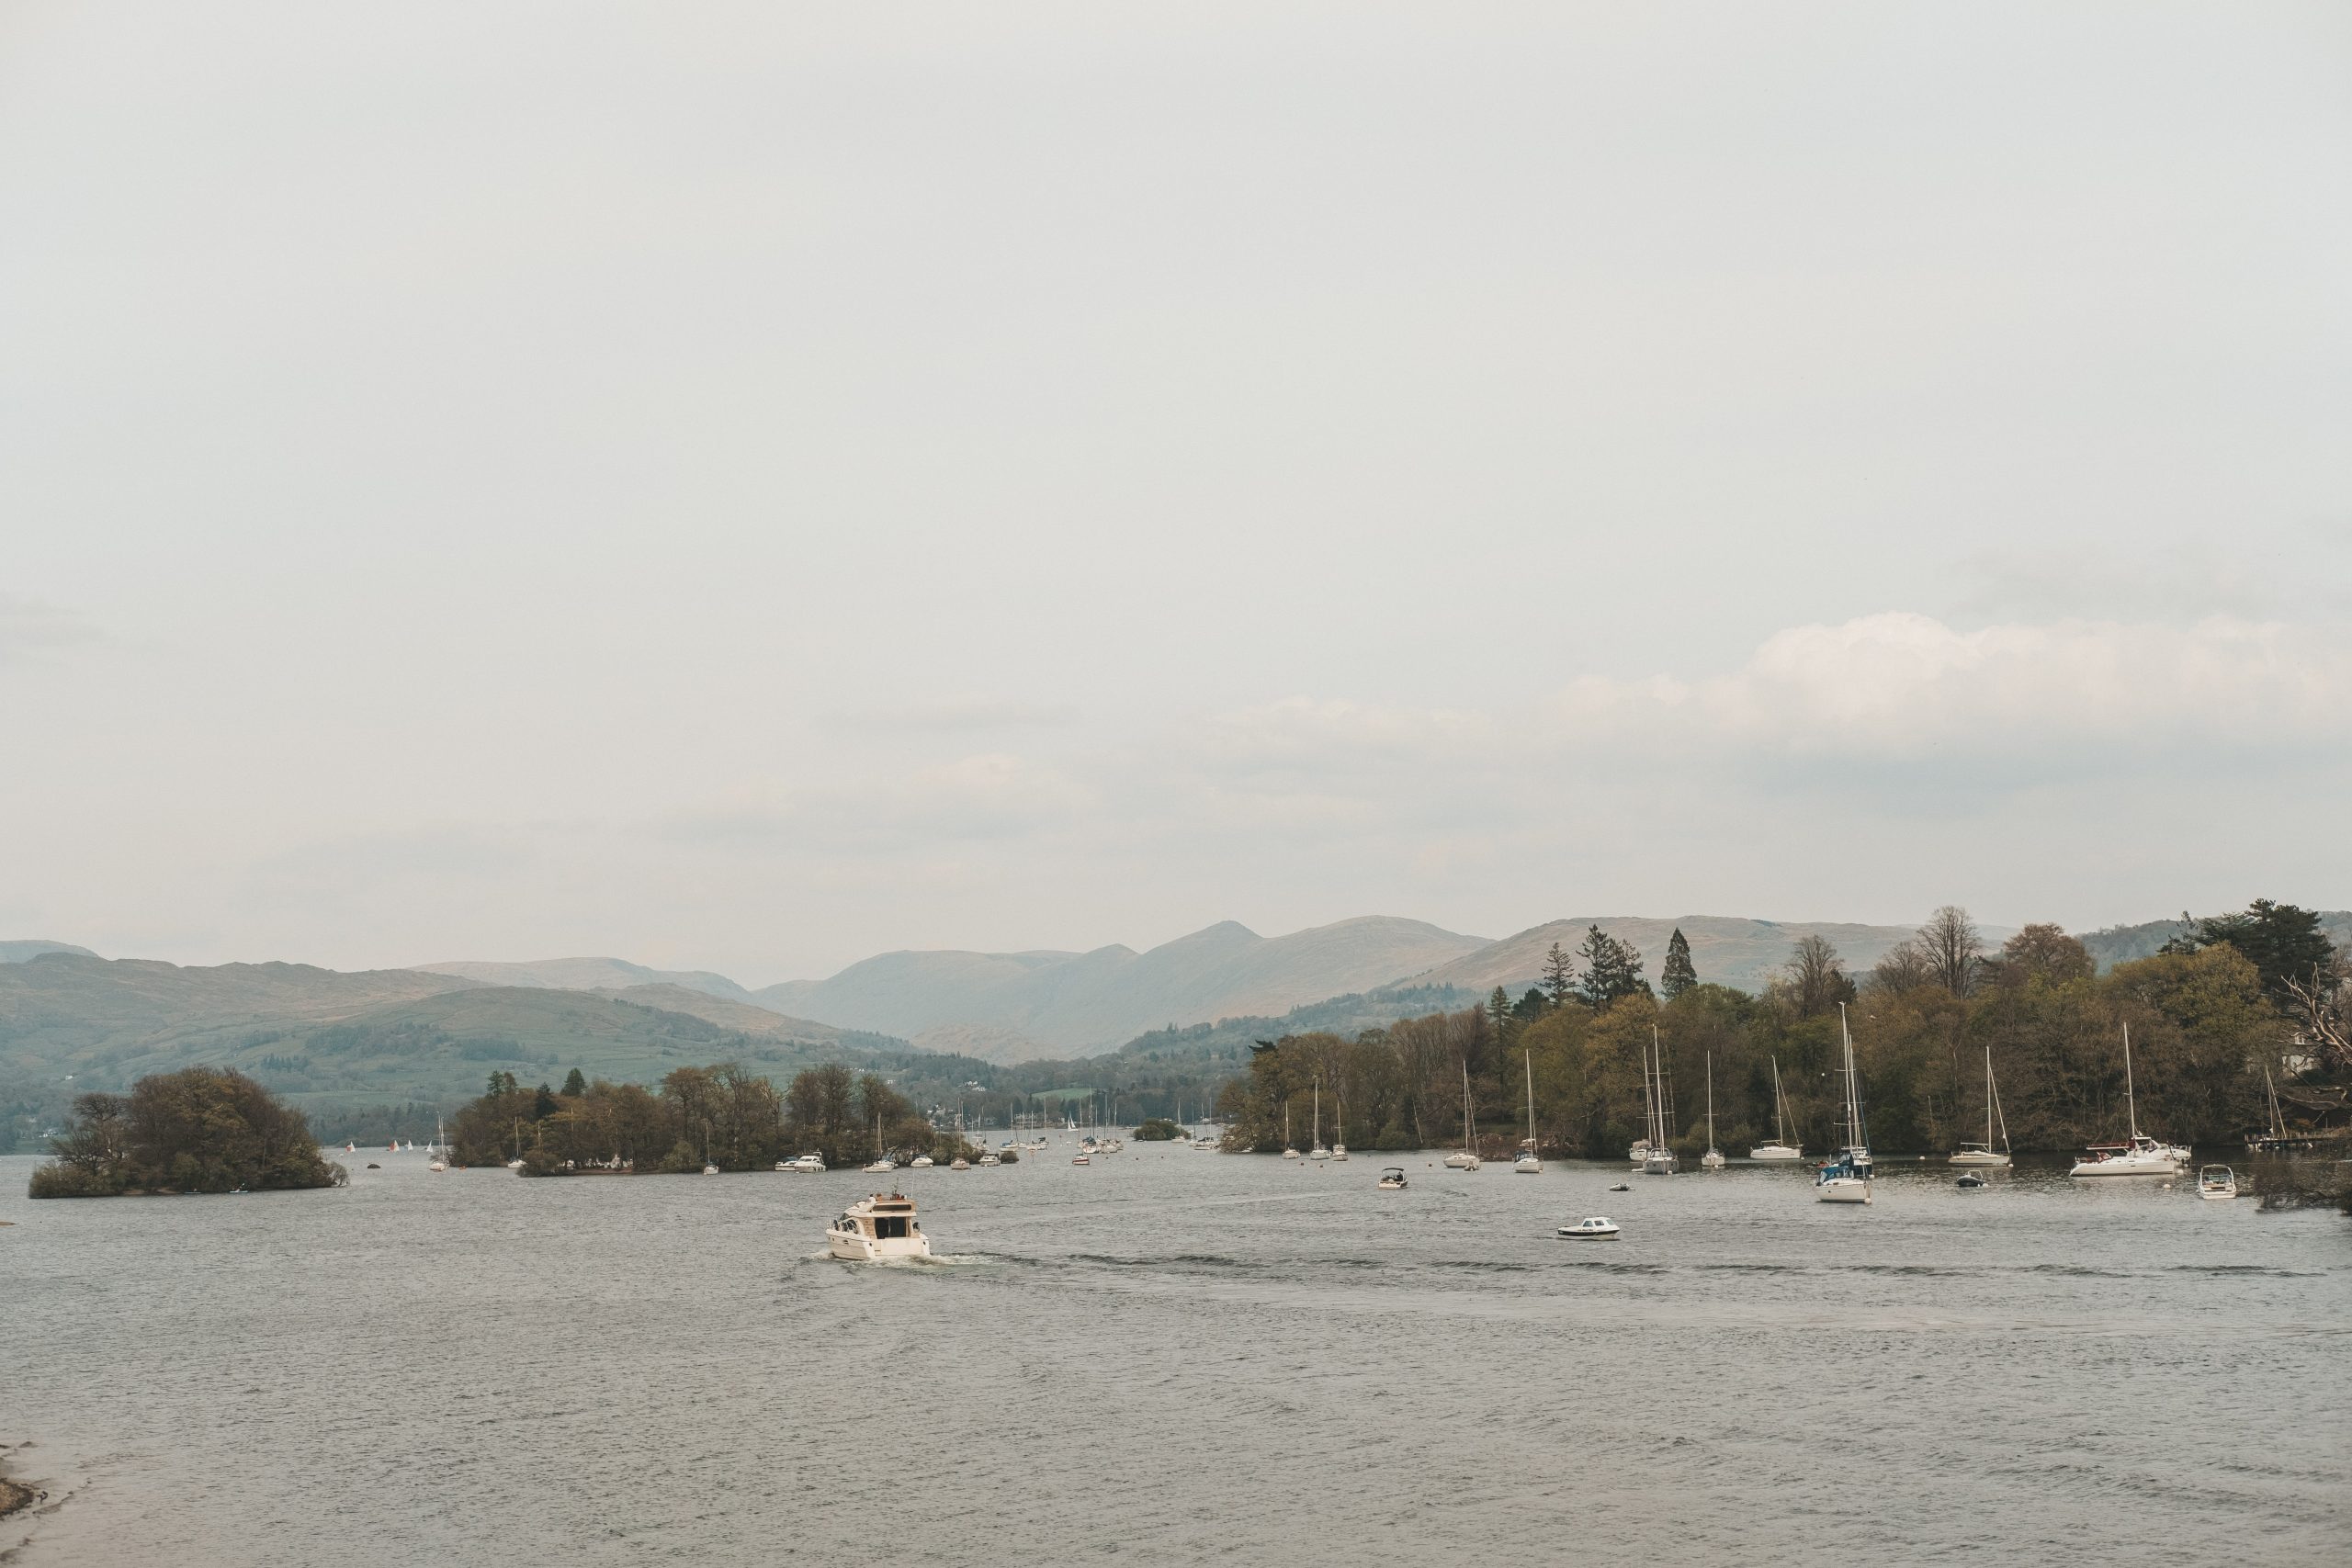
<point x="2238" y="996"/>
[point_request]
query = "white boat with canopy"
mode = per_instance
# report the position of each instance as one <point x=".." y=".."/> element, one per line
<point x="876" y="1230"/>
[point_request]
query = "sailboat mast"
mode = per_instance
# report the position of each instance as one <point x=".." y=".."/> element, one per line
<point x="2131" y="1101"/>
<point x="1988" y="1097"/>
<point x="1711" y="1100"/>
<point x="1530" y="1054"/>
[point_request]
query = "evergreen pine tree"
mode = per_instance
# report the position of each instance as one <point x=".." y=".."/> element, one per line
<point x="1498" y="1008"/>
<point x="1676" y="976"/>
<point x="1559" y="977"/>
<point x="575" y="1083"/>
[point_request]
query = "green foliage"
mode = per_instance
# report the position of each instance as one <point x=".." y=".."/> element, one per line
<point x="2282" y="941"/>
<point x="199" y="1130"/>
<point x="1677" y="975"/>
<point x="1156" y="1130"/>
<point x="1612" y="971"/>
<point x="575" y="1082"/>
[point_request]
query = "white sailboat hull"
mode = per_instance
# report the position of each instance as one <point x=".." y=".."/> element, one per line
<point x="2129" y="1165"/>
<point x="1977" y="1158"/>
<point x="1775" y="1152"/>
<point x="1845" y="1189"/>
<point x="1461" y="1162"/>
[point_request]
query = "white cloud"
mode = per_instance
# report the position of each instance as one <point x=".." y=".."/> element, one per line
<point x="1901" y="685"/>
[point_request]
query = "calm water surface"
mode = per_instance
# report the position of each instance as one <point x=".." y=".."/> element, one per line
<point x="1176" y="1358"/>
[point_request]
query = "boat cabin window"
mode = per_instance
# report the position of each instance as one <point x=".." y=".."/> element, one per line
<point x="887" y="1228"/>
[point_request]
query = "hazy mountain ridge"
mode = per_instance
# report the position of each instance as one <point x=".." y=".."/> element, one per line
<point x="21" y="952"/>
<point x="1066" y="1001"/>
<point x="587" y="975"/>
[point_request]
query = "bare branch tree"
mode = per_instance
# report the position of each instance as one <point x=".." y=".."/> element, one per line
<point x="1951" y="944"/>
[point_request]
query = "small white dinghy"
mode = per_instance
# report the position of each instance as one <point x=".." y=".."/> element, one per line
<point x="1598" y="1227"/>
<point x="2216" y="1181"/>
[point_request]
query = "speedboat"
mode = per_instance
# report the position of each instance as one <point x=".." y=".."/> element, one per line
<point x="882" y="1167"/>
<point x="990" y="1159"/>
<point x="811" y="1164"/>
<point x="921" y="1162"/>
<point x="2216" y="1181"/>
<point x="874" y="1229"/>
<point x="1620" y="1187"/>
<point x="1392" y="1179"/>
<point x="1599" y="1227"/>
<point x="959" y="1162"/>
<point x="1969" y="1179"/>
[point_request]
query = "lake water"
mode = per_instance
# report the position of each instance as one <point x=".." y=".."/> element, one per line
<point x="1176" y="1356"/>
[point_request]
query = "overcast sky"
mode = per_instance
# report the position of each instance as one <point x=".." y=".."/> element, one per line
<point x="747" y="486"/>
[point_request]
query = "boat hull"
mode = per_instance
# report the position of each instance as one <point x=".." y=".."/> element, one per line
<point x="2127" y="1167"/>
<point x="1990" y="1161"/>
<point x="852" y="1248"/>
<point x="1769" y="1154"/>
<point x="1845" y="1189"/>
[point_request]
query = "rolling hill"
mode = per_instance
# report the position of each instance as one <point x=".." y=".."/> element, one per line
<point x="69" y="1023"/>
<point x="1037" y="1003"/>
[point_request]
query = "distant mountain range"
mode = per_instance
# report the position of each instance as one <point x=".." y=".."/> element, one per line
<point x="589" y="975"/>
<point x="436" y="1033"/>
<point x="1005" y="1006"/>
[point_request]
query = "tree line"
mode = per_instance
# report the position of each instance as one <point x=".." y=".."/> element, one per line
<point x="199" y="1130"/>
<point x="723" y="1114"/>
<point x="2236" y="995"/>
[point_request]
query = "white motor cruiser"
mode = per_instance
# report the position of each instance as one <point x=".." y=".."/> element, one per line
<point x="2216" y="1181"/>
<point x="877" y="1229"/>
<point x="1599" y="1227"/>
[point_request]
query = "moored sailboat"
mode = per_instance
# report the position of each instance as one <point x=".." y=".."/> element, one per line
<point x="1846" y="1179"/>
<point x="1527" y="1164"/>
<point x="2143" y="1156"/>
<point x="1982" y="1154"/>
<point x="1467" y="1157"/>
<point x="1780" y="1148"/>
